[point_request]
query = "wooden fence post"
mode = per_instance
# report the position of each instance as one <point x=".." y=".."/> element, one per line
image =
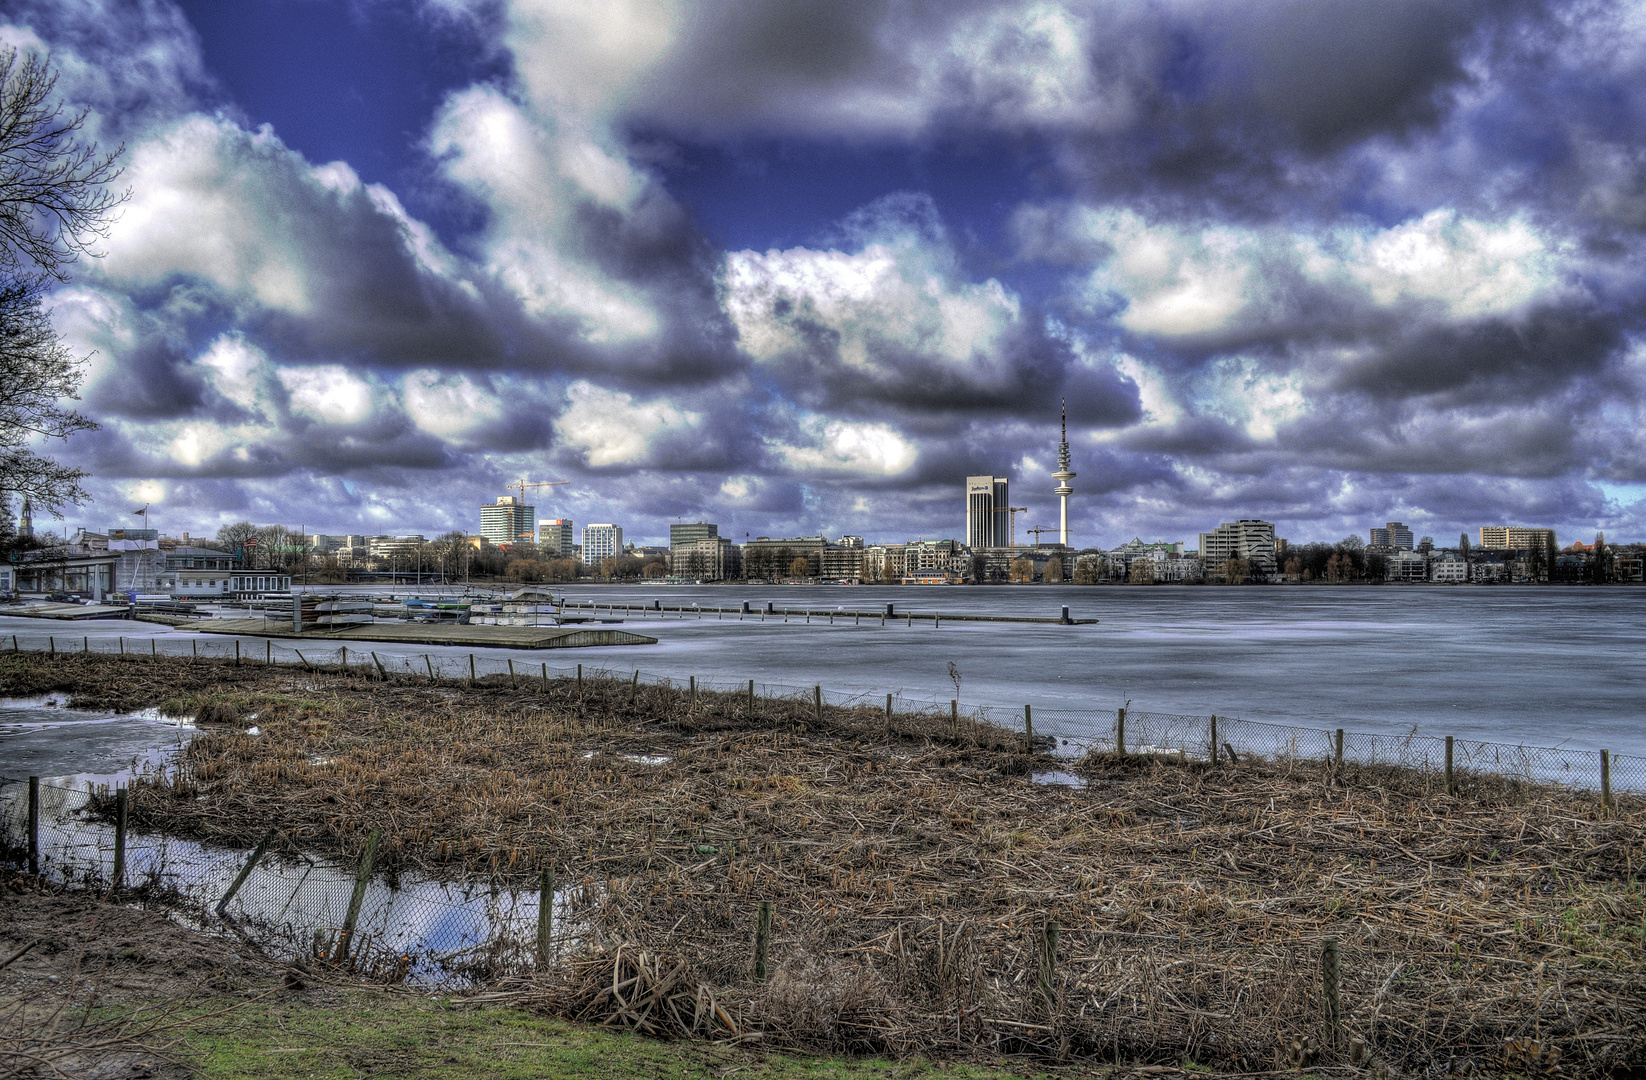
<point x="122" y="803"/>
<point x="634" y="688"/>
<point x="1330" y="973"/>
<point x="694" y="691"/>
<point x="34" y="824"/>
<point x="1045" y="981"/>
<point x="1120" y="732"/>
<point x="471" y="669"/>
<point x="268" y="653"/>
<point x="122" y="645"/>
<point x="1451" y="788"/>
<point x="751" y="697"/>
<point x="345" y="649"/>
<point x="51" y="645"/>
<point x="154" y="649"/>
<point x="1337" y="749"/>
<point x="236" y="652"/>
<point x="545" y="917"/>
<point x="382" y="672"/>
<point x="579" y="678"/>
<point x="1606" y="781"/>
<point x="954" y="717"/>
<point x="245" y="871"/>
<point x="430" y="665"/>
<point x="513" y="685"/>
<point x="545" y="676"/>
<point x="888" y="714"/>
<point x="1214" y="738"/>
<point x="1028" y="730"/>
<point x="362" y="877"/>
<point x="762" y="938"/>
<point x="817" y="704"/>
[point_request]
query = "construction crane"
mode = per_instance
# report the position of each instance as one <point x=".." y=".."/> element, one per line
<point x="1037" y="530"/>
<point x="522" y="484"/>
<point x="1014" y="511"/>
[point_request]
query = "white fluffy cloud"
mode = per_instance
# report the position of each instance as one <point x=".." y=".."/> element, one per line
<point x="329" y="393"/>
<point x="608" y="427"/>
<point x="841" y="446"/>
<point x="537" y="172"/>
<point x="1174" y="280"/>
<point x="450" y="406"/>
<point x="879" y="313"/>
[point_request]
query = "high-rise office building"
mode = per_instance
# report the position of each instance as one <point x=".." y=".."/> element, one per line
<point x="1394" y="536"/>
<point x="988" y="518"/>
<point x="509" y="521"/>
<point x="601" y="542"/>
<point x="685" y="534"/>
<point x="557" y="537"/>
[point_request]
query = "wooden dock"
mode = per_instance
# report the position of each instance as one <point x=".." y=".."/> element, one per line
<point x="66" y="611"/>
<point x="831" y="615"/>
<point x="497" y="637"/>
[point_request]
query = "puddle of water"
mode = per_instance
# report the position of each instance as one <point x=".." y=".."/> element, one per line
<point x="1055" y="778"/>
<point x="292" y="906"/>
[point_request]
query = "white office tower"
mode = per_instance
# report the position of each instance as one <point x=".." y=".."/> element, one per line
<point x="601" y="542"/>
<point x="1063" y="475"/>
<point x="988" y="517"/>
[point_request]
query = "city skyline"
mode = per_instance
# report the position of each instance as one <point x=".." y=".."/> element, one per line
<point x="380" y="260"/>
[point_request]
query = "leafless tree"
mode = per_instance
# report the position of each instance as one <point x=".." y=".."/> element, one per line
<point x="55" y="204"/>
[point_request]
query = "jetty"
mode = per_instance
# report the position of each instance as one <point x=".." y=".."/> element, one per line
<point x="499" y="637"/>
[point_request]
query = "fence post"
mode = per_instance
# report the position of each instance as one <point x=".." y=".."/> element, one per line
<point x="1028" y="730"/>
<point x="194" y="648"/>
<point x="579" y="678"/>
<point x="1214" y="738"/>
<point x="545" y="917"/>
<point x="817" y="703"/>
<point x="762" y="938"/>
<point x="34" y="824"/>
<point x="430" y="664"/>
<point x="268" y="654"/>
<point x="154" y="648"/>
<point x="361" y="877"/>
<point x="381" y="672"/>
<point x="471" y="669"/>
<point x="245" y="871"/>
<point x="1120" y="732"/>
<point x="1330" y="973"/>
<point x="888" y="714"/>
<point x="1045" y="981"/>
<point x="122" y="645"/>
<point x="694" y="691"/>
<point x="85" y="645"/>
<point x="306" y="665"/>
<point x="751" y="697"/>
<point x="345" y="649"/>
<point x="634" y="688"/>
<point x="1450" y="787"/>
<point x="512" y="684"/>
<point x="122" y="800"/>
<point x="1337" y="749"/>
<point x="1606" y="781"/>
<point x="51" y="645"/>
<point x="236" y="652"/>
<point x="545" y="676"/>
<point x="954" y="717"/>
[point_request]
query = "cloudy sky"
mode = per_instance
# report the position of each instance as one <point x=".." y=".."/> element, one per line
<point x="801" y="268"/>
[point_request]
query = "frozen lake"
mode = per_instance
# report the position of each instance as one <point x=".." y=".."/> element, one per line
<point x="1546" y="666"/>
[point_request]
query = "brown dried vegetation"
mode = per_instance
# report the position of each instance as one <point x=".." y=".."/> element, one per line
<point x="913" y="870"/>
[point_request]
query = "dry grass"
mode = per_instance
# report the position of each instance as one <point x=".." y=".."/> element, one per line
<point x="912" y="872"/>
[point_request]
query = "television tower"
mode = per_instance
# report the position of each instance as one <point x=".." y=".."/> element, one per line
<point x="1063" y="475"/>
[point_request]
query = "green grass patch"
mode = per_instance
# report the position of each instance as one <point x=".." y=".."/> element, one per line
<point x="402" y="1035"/>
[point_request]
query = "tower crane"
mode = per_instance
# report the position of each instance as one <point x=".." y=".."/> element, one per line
<point x="1014" y="511"/>
<point x="1037" y="530"/>
<point x="522" y="484"/>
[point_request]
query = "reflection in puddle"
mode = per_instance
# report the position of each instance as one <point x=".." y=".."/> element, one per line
<point x="295" y="905"/>
<point x="1060" y="779"/>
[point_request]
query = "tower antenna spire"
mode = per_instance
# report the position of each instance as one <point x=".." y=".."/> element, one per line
<point x="1063" y="475"/>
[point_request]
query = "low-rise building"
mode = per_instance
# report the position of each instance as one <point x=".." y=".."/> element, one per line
<point x="769" y="559"/>
<point x="883" y="563"/>
<point x="1249" y="538"/>
<point x="1448" y="568"/>
<point x="710" y="558"/>
<point x="1407" y="566"/>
